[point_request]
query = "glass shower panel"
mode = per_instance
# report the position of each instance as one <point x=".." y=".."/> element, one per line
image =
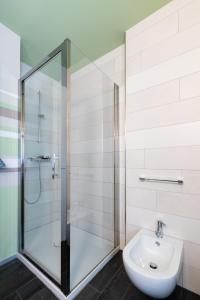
<point x="92" y="167"/>
<point x="42" y="172"/>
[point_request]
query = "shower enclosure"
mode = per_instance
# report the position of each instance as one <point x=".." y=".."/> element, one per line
<point x="69" y="159"/>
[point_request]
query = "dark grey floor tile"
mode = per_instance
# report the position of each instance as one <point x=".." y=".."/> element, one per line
<point x="176" y="295"/>
<point x="8" y="264"/>
<point x="88" y="293"/>
<point x="13" y="278"/>
<point x="133" y="293"/>
<point x="13" y="296"/>
<point x="9" y="268"/>
<point x="117" y="288"/>
<point x="43" y="294"/>
<point x="187" y="295"/>
<point x="104" y="277"/>
<point x="30" y="288"/>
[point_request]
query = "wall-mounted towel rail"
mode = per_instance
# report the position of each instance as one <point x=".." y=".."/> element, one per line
<point x="178" y="180"/>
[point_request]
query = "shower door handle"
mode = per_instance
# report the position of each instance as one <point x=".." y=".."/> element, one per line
<point x="54" y="173"/>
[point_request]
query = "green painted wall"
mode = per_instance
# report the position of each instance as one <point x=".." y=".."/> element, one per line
<point x="96" y="26"/>
<point x="8" y="221"/>
<point x="9" y="153"/>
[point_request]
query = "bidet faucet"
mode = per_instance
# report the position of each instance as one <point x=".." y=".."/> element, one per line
<point x="159" y="229"/>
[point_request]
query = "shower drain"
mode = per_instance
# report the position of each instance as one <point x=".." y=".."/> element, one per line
<point x="153" y="265"/>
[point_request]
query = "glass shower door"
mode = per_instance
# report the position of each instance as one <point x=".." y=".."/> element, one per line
<point x="44" y="169"/>
<point x="69" y="166"/>
<point x="93" y="197"/>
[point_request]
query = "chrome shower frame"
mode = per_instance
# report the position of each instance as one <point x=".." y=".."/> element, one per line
<point x="64" y="50"/>
<point x="64" y="285"/>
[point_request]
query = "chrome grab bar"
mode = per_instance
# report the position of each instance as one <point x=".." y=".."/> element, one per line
<point x="178" y="181"/>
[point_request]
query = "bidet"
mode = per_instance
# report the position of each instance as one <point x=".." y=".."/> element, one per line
<point x="153" y="264"/>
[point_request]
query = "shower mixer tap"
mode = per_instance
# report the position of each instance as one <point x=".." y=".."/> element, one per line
<point x="40" y="158"/>
<point x="47" y="158"/>
<point x="54" y="173"/>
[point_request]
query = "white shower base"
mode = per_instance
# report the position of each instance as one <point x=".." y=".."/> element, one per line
<point x="86" y="250"/>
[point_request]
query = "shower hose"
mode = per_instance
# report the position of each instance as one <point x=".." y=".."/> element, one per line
<point x="40" y="187"/>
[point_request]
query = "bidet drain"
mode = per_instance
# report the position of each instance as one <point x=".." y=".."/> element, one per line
<point x="153" y="265"/>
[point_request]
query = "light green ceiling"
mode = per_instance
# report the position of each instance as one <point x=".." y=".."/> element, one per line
<point x="96" y="26"/>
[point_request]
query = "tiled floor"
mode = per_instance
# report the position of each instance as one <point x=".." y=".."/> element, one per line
<point x="18" y="283"/>
<point x="112" y="283"/>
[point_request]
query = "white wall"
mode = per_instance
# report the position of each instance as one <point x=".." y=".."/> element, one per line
<point x="163" y="127"/>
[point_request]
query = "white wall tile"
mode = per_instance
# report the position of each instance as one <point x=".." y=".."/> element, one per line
<point x="191" y="279"/>
<point x="189" y="86"/>
<point x="180" y="112"/>
<point x="156" y="33"/>
<point x="93" y="174"/>
<point x="189" y="15"/>
<point x="171" y="136"/>
<point x="141" y="217"/>
<point x="173" y="158"/>
<point x="134" y="64"/>
<point x="92" y="132"/>
<point x="191" y="181"/>
<point x="92" y="201"/>
<point x="98" y="160"/>
<point x="155" y="18"/>
<point x="154" y="96"/>
<point x="93" y="146"/>
<point x="101" y="189"/>
<point x="131" y="230"/>
<point x="135" y="158"/>
<point x="141" y="198"/>
<point x="191" y="254"/>
<point x="185" y="205"/>
<point x="182" y="42"/>
<point x="179" y="66"/>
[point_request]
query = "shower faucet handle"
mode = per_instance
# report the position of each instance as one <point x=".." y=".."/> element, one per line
<point x="44" y="157"/>
<point x="54" y="173"/>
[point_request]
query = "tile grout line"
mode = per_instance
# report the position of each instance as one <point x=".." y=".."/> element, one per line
<point x="108" y="283"/>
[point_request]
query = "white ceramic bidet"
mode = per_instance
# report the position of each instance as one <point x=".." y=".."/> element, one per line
<point x="153" y="264"/>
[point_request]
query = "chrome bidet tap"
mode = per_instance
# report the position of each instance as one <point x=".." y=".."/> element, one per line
<point x="159" y="230"/>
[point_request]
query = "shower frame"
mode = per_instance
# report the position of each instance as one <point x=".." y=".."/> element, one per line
<point x="65" y="50"/>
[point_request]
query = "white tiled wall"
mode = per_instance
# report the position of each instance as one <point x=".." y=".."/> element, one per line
<point x="163" y="127"/>
<point x="92" y="172"/>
